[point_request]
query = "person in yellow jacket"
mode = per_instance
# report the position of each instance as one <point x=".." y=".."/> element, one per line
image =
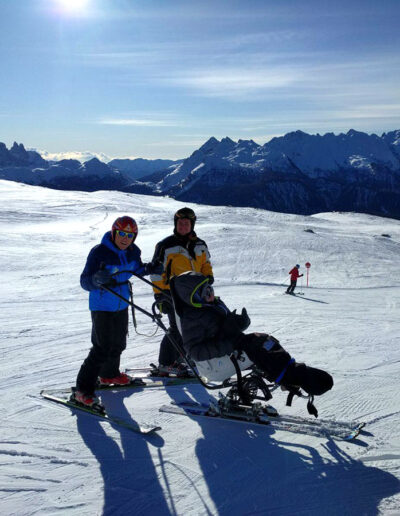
<point x="180" y="252"/>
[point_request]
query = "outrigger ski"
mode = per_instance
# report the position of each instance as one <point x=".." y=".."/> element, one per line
<point x="100" y="412"/>
<point x="257" y="415"/>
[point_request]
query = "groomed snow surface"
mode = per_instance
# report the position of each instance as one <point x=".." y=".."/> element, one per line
<point x="55" y="461"/>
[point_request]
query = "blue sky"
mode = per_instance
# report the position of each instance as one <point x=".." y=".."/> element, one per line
<point x="156" y="78"/>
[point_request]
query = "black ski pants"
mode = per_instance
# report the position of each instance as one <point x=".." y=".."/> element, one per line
<point x="291" y="287"/>
<point x="109" y="331"/>
<point x="168" y="353"/>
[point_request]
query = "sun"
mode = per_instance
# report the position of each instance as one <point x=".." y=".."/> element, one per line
<point x="73" y="5"/>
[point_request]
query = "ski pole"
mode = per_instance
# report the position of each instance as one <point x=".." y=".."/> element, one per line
<point x="156" y="318"/>
<point x="130" y="303"/>
<point x="161" y="291"/>
<point x="166" y="294"/>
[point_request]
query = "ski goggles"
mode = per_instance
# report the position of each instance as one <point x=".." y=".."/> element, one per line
<point x="124" y="234"/>
<point x="189" y="216"/>
<point x="185" y="214"/>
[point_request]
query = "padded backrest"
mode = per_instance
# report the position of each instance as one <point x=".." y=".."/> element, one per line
<point x="216" y="369"/>
<point x="220" y="369"/>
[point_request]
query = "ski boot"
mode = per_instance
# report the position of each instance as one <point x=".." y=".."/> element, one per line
<point x="90" y="401"/>
<point x="120" y="380"/>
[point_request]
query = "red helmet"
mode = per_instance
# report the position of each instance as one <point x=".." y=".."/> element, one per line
<point x="126" y="224"/>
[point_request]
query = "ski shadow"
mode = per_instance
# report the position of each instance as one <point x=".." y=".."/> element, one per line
<point x="310" y="299"/>
<point x="131" y="481"/>
<point x="254" y="470"/>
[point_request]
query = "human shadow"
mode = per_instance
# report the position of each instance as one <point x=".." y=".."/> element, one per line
<point x="253" y="470"/>
<point x="131" y="483"/>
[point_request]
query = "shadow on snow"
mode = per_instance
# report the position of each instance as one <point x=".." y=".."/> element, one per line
<point x="131" y="479"/>
<point x="248" y="471"/>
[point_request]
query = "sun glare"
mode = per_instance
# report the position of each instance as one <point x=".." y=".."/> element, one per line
<point x="73" y="5"/>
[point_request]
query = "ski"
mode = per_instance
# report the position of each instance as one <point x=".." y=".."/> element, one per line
<point x="145" y="383"/>
<point x="139" y="428"/>
<point x="319" y="428"/>
<point x="153" y="372"/>
<point x="334" y="423"/>
<point x="161" y="380"/>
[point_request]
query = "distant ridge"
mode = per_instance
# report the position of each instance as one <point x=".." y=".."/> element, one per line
<point x="296" y="173"/>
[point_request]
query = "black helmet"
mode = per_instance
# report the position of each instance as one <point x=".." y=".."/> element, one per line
<point x="185" y="213"/>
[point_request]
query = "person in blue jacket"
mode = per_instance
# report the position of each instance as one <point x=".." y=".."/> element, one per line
<point x="117" y="252"/>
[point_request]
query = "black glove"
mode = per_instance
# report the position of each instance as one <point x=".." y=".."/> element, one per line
<point x="103" y="277"/>
<point x="243" y="320"/>
<point x="153" y="268"/>
<point x="234" y="324"/>
<point x="210" y="279"/>
<point x="164" y="306"/>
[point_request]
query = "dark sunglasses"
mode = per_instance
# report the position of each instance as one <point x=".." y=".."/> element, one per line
<point x="207" y="291"/>
<point x="123" y="234"/>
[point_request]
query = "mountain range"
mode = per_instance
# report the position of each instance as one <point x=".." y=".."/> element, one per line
<point x="296" y="173"/>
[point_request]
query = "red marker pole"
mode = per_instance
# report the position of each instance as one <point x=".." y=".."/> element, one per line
<point x="308" y="265"/>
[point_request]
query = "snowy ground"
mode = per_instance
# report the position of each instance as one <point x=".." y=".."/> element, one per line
<point x="54" y="461"/>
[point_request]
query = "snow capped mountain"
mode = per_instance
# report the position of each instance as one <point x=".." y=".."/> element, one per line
<point x="315" y="155"/>
<point x="296" y="173"/>
<point x="19" y="156"/>
<point x="140" y="168"/>
<point x="212" y="155"/>
<point x="393" y="140"/>
<point x="18" y="164"/>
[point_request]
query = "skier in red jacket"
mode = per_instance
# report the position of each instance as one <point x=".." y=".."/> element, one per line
<point x="294" y="274"/>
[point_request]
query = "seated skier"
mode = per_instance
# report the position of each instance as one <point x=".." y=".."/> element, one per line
<point x="209" y="330"/>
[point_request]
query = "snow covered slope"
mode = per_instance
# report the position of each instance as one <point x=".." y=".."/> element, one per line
<point x="54" y="461"/>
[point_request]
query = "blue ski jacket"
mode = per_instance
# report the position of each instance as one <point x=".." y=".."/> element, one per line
<point x="114" y="260"/>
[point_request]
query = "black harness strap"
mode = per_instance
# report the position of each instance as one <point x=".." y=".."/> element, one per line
<point x="292" y="393"/>
<point x="312" y="409"/>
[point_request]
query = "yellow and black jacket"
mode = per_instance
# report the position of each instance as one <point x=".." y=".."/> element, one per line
<point x="180" y="254"/>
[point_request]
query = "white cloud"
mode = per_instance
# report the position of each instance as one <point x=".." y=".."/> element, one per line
<point x="81" y="156"/>
<point x="370" y="111"/>
<point x="238" y="82"/>
<point x="137" y="122"/>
